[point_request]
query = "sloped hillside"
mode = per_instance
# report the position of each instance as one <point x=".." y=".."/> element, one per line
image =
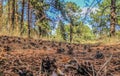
<point x="30" y="57"/>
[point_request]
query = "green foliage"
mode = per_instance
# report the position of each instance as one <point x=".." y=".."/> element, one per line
<point x="83" y="32"/>
<point x="118" y="34"/>
<point x="45" y="27"/>
<point x="101" y="19"/>
<point x="70" y="23"/>
<point x="72" y="12"/>
<point x="62" y="30"/>
<point x="80" y="33"/>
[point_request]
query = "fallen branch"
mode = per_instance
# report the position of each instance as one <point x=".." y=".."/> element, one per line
<point x="104" y="64"/>
<point x="93" y="70"/>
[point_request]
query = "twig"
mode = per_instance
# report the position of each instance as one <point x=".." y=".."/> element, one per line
<point x="39" y="72"/>
<point x="76" y="60"/>
<point x="78" y="64"/>
<point x="93" y="70"/>
<point x="104" y="64"/>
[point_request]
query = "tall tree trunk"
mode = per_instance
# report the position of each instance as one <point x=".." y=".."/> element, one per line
<point x="1" y="13"/>
<point x="40" y="31"/>
<point x="16" y="15"/>
<point x="1" y="7"/>
<point x="13" y="14"/>
<point x="29" y="18"/>
<point x="71" y="29"/>
<point x="70" y="32"/>
<point x="9" y="16"/>
<point x="8" y="12"/>
<point x="113" y="18"/>
<point x="22" y="17"/>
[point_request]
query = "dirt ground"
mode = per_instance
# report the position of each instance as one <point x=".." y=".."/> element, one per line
<point x="25" y="55"/>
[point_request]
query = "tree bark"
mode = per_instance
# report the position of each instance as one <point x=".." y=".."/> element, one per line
<point x="13" y="14"/>
<point x="9" y="16"/>
<point x="1" y="7"/>
<point x="1" y="13"/>
<point x="8" y="11"/>
<point x="112" y="18"/>
<point x="71" y="30"/>
<point x="22" y="17"/>
<point x="29" y="18"/>
<point x="16" y="16"/>
<point x="40" y="31"/>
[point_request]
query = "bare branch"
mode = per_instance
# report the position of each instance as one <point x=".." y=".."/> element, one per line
<point x="106" y="63"/>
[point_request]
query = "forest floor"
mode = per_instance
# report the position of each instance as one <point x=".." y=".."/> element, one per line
<point x="24" y="57"/>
